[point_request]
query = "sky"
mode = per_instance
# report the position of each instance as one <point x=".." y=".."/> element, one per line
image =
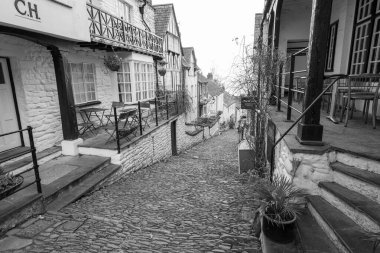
<point x="212" y="26"/>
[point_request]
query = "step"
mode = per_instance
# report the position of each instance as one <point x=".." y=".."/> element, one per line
<point x="13" y="153"/>
<point x="27" y="162"/>
<point x="19" y="207"/>
<point x="82" y="188"/>
<point x="83" y="166"/>
<point x="362" y="181"/>
<point x="363" y="163"/>
<point x="345" y="233"/>
<point x="364" y="211"/>
<point x="311" y="236"/>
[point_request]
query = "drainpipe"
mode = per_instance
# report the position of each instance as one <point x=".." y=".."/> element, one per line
<point x="141" y="9"/>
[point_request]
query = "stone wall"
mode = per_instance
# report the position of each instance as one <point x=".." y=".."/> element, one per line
<point x="156" y="146"/>
<point x="36" y="89"/>
<point x="305" y="170"/>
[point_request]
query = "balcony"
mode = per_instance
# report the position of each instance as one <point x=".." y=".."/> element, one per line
<point x="110" y="30"/>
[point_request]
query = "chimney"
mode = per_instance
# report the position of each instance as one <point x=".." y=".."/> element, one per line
<point x="210" y="76"/>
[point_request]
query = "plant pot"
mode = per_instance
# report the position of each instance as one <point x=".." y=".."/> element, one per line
<point x="280" y="232"/>
<point x="11" y="189"/>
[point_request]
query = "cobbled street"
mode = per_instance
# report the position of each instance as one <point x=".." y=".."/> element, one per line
<point x="188" y="203"/>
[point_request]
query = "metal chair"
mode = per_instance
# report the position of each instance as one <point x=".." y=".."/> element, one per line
<point x="146" y="114"/>
<point x="366" y="89"/>
<point x="117" y="105"/>
<point x="84" y="125"/>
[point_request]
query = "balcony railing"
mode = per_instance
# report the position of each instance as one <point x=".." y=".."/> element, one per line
<point x="109" y="29"/>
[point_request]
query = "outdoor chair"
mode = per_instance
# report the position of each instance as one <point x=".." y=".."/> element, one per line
<point x="109" y="116"/>
<point x="84" y="125"/>
<point x="126" y="124"/>
<point x="361" y="88"/>
<point x="146" y="114"/>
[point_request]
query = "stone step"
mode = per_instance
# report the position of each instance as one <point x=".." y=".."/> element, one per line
<point x="345" y="233"/>
<point x="79" y="169"/>
<point x="364" y="163"/>
<point x="19" y="207"/>
<point x="309" y="238"/>
<point x="14" y="153"/>
<point x="82" y="188"/>
<point x="26" y="162"/>
<point x="365" y="182"/>
<point x="364" y="211"/>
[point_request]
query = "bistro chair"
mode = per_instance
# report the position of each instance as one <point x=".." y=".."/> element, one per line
<point x="125" y="127"/>
<point x="361" y="88"/>
<point x="110" y="115"/>
<point x="146" y="114"/>
<point x="84" y="125"/>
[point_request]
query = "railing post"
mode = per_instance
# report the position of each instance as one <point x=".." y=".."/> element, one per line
<point x="176" y="102"/>
<point x="290" y="92"/>
<point x="167" y="108"/>
<point x="140" y="123"/>
<point x="156" y="109"/>
<point x="34" y="158"/>
<point x="116" y="130"/>
<point x="279" y="89"/>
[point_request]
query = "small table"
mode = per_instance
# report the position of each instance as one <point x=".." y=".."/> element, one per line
<point x="94" y="111"/>
<point x="131" y="114"/>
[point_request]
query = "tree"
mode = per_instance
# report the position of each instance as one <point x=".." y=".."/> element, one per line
<point x="254" y="75"/>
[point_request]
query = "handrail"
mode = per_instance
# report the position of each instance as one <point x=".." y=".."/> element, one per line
<point x="339" y="76"/>
<point x="14" y="132"/>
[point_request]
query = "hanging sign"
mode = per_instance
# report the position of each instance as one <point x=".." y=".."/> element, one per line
<point x="247" y="103"/>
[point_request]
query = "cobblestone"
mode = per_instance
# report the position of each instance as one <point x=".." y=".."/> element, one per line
<point x="184" y="204"/>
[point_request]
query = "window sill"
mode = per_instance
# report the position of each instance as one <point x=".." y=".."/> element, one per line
<point x="88" y="104"/>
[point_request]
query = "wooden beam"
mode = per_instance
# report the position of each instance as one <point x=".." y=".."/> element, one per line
<point x="310" y="131"/>
<point x="65" y="95"/>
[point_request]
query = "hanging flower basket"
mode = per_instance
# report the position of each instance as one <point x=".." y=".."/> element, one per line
<point x="12" y="183"/>
<point x="113" y="62"/>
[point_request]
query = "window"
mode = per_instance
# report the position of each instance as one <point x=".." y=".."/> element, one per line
<point x="124" y="10"/>
<point x="124" y="83"/>
<point x="365" y="55"/>
<point x="331" y="47"/>
<point x="144" y="81"/>
<point x="83" y="81"/>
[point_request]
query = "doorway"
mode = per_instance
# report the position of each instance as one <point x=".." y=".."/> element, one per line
<point x="173" y="129"/>
<point x="9" y="119"/>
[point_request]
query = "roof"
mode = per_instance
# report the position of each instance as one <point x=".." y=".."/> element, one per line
<point x="187" y="51"/>
<point x="162" y="15"/>
<point x="214" y="89"/>
<point x="185" y="63"/>
<point x="202" y="78"/>
<point x="229" y="99"/>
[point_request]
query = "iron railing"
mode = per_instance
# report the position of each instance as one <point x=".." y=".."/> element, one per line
<point x="32" y="150"/>
<point x="166" y="106"/>
<point x="109" y="29"/>
<point x="336" y="78"/>
<point x="298" y="89"/>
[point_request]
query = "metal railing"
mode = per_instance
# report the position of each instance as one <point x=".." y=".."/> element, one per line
<point x="336" y="78"/>
<point x="109" y="29"/>
<point x="297" y="90"/>
<point x="32" y="150"/>
<point x="167" y="105"/>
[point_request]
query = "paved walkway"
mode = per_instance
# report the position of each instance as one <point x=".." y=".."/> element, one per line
<point x="189" y="203"/>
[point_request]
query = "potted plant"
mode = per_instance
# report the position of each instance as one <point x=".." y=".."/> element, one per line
<point x="9" y="183"/>
<point x="280" y="203"/>
<point x="113" y="62"/>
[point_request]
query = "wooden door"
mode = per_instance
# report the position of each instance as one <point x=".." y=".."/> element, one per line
<point x="173" y="129"/>
<point x="8" y="117"/>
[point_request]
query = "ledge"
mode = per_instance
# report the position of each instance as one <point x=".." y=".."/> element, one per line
<point x="88" y="104"/>
<point x="193" y="133"/>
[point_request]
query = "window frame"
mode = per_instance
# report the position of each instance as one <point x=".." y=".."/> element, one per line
<point x="359" y="21"/>
<point x="331" y="48"/>
<point x="119" y="10"/>
<point x="84" y="83"/>
<point x="123" y="94"/>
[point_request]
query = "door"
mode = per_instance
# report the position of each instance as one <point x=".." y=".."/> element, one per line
<point x="8" y="117"/>
<point x="173" y="128"/>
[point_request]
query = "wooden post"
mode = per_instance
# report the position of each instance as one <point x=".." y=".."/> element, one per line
<point x="310" y="131"/>
<point x="140" y="122"/>
<point x="290" y="89"/>
<point x="279" y="89"/>
<point x="65" y="95"/>
<point x="156" y="110"/>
